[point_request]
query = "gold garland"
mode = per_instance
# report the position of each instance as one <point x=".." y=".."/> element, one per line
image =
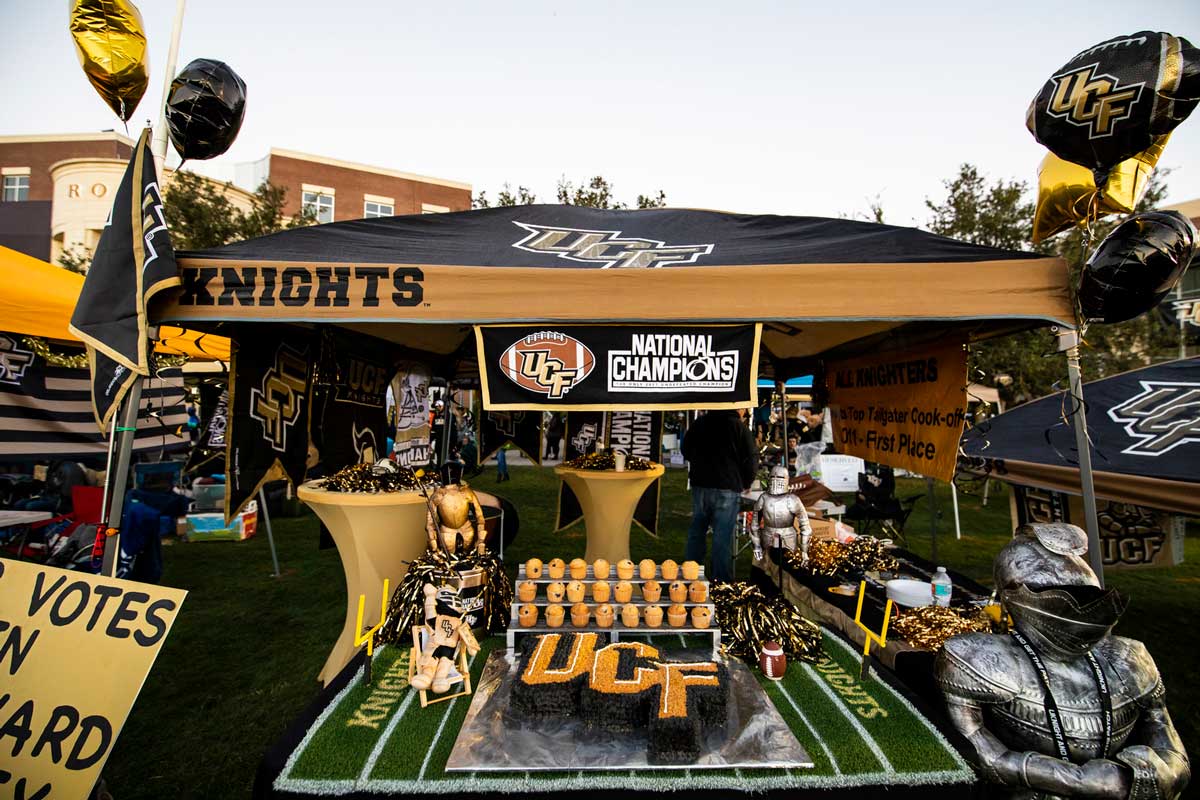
<point x="929" y="627"/>
<point x="748" y="619"/>
<point x="828" y="557"/>
<point x="43" y="351"/>
<point x="367" y="478"/>
<point x="604" y="460"/>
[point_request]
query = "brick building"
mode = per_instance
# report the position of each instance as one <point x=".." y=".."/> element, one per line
<point x="57" y="190"/>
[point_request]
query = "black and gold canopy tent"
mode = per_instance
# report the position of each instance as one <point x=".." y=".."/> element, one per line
<point x="821" y="287"/>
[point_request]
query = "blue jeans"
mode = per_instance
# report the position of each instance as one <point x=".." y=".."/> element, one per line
<point x="715" y="508"/>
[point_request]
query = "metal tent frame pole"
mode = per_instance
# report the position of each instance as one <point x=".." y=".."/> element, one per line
<point x="117" y="479"/>
<point x="266" y="517"/>
<point x="1068" y="341"/>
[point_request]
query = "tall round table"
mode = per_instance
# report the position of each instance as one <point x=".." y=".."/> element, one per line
<point x="376" y="535"/>
<point x="608" y="499"/>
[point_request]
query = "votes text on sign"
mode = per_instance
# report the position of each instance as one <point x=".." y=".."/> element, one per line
<point x="74" y="652"/>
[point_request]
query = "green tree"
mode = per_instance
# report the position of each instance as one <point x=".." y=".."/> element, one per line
<point x="200" y="214"/>
<point x="75" y="258"/>
<point x="1023" y="365"/>
<point x="595" y="193"/>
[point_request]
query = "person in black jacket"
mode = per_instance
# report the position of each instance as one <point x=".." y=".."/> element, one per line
<point x="722" y="463"/>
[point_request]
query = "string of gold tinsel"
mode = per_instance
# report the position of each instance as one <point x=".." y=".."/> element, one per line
<point x="605" y="460"/>
<point x="748" y="619"/>
<point x="929" y="627"/>
<point x="162" y="361"/>
<point x="828" y="557"/>
<point x="407" y="605"/>
<point x="43" y="351"/>
<point x="367" y="478"/>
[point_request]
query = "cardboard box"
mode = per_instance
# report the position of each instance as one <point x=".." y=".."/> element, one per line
<point x="212" y="527"/>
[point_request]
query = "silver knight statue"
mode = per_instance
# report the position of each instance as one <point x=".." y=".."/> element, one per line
<point x="776" y="514"/>
<point x="1059" y="707"/>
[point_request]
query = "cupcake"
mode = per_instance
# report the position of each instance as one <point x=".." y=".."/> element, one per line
<point x="601" y="591"/>
<point x="625" y="569"/>
<point x="604" y="615"/>
<point x="691" y="571"/>
<point x="576" y="591"/>
<point x="554" y="592"/>
<point x="653" y="616"/>
<point x="526" y="591"/>
<point x="701" y="616"/>
<point x="600" y="568"/>
<point x="670" y="570"/>
<point x="629" y="615"/>
<point x="533" y="568"/>
<point x="528" y="616"/>
<point x="578" y="569"/>
<point x="579" y="615"/>
<point x="623" y="592"/>
<point x="698" y="592"/>
<point x="557" y="568"/>
<point x="677" y="616"/>
<point x="554" y="615"/>
<point x="678" y="591"/>
<point x="647" y="569"/>
<point x="651" y="591"/>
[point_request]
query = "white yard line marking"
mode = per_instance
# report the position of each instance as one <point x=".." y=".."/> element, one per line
<point x="436" y="737"/>
<point x="320" y="721"/>
<point x="828" y="753"/>
<point x="958" y="759"/>
<point x="377" y="750"/>
<point x="858" y="726"/>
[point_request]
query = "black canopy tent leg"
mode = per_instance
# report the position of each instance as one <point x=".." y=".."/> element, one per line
<point x="1068" y="341"/>
<point x="118" y="476"/>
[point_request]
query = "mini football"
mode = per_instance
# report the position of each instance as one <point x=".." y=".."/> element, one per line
<point x="547" y="362"/>
<point x="772" y="661"/>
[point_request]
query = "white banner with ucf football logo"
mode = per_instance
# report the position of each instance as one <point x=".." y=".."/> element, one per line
<point x="643" y="367"/>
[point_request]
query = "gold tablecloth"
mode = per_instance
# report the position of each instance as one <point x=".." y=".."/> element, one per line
<point x="608" y="499"/>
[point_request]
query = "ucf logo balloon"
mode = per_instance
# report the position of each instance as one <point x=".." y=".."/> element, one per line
<point x="1110" y="102"/>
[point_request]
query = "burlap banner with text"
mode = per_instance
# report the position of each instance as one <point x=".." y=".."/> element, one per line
<point x="904" y="408"/>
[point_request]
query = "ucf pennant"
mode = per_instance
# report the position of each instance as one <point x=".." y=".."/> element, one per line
<point x="270" y="404"/>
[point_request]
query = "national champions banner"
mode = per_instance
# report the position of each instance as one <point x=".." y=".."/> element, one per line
<point x="606" y="367"/>
<point x="270" y="407"/>
<point x="636" y="433"/>
<point x="902" y="408"/>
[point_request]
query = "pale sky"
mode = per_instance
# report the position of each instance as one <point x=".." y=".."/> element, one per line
<point x="791" y="107"/>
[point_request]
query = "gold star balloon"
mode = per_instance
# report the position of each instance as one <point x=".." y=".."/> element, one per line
<point x="110" y="40"/>
<point x="1067" y="192"/>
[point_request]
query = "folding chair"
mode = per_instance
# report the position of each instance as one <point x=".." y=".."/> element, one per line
<point x="461" y="673"/>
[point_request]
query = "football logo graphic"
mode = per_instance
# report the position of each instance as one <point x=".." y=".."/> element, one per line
<point x="547" y="362"/>
<point x="772" y="661"/>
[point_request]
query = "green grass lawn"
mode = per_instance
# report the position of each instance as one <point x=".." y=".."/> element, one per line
<point x="242" y="659"/>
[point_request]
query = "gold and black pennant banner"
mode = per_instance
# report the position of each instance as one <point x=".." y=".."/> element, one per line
<point x="353" y="373"/>
<point x="270" y="408"/>
<point x="522" y="428"/>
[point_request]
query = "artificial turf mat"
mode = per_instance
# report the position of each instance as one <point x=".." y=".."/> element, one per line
<point x="379" y="739"/>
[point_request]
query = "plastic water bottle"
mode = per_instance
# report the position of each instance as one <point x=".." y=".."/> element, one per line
<point x="942" y="587"/>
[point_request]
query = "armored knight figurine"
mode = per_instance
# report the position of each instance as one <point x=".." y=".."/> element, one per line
<point x="776" y="513"/>
<point x="1058" y="707"/>
<point x="455" y="519"/>
<point x="447" y="629"/>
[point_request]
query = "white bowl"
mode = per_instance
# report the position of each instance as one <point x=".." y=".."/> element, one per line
<point x="908" y="592"/>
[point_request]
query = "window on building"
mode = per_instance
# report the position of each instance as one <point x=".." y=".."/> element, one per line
<point x="371" y="209"/>
<point x="16" y="188"/>
<point x="430" y="208"/>
<point x="321" y="205"/>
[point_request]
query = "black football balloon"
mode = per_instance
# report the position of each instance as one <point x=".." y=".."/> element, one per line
<point x="1136" y="265"/>
<point x="1111" y="101"/>
<point x="205" y="109"/>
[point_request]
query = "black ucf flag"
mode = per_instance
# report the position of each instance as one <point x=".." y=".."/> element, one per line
<point x="354" y="371"/>
<point x="133" y="262"/>
<point x="522" y="428"/>
<point x="270" y="404"/>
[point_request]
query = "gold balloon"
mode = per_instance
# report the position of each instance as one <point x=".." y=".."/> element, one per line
<point x="111" y="42"/>
<point x="1066" y="190"/>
